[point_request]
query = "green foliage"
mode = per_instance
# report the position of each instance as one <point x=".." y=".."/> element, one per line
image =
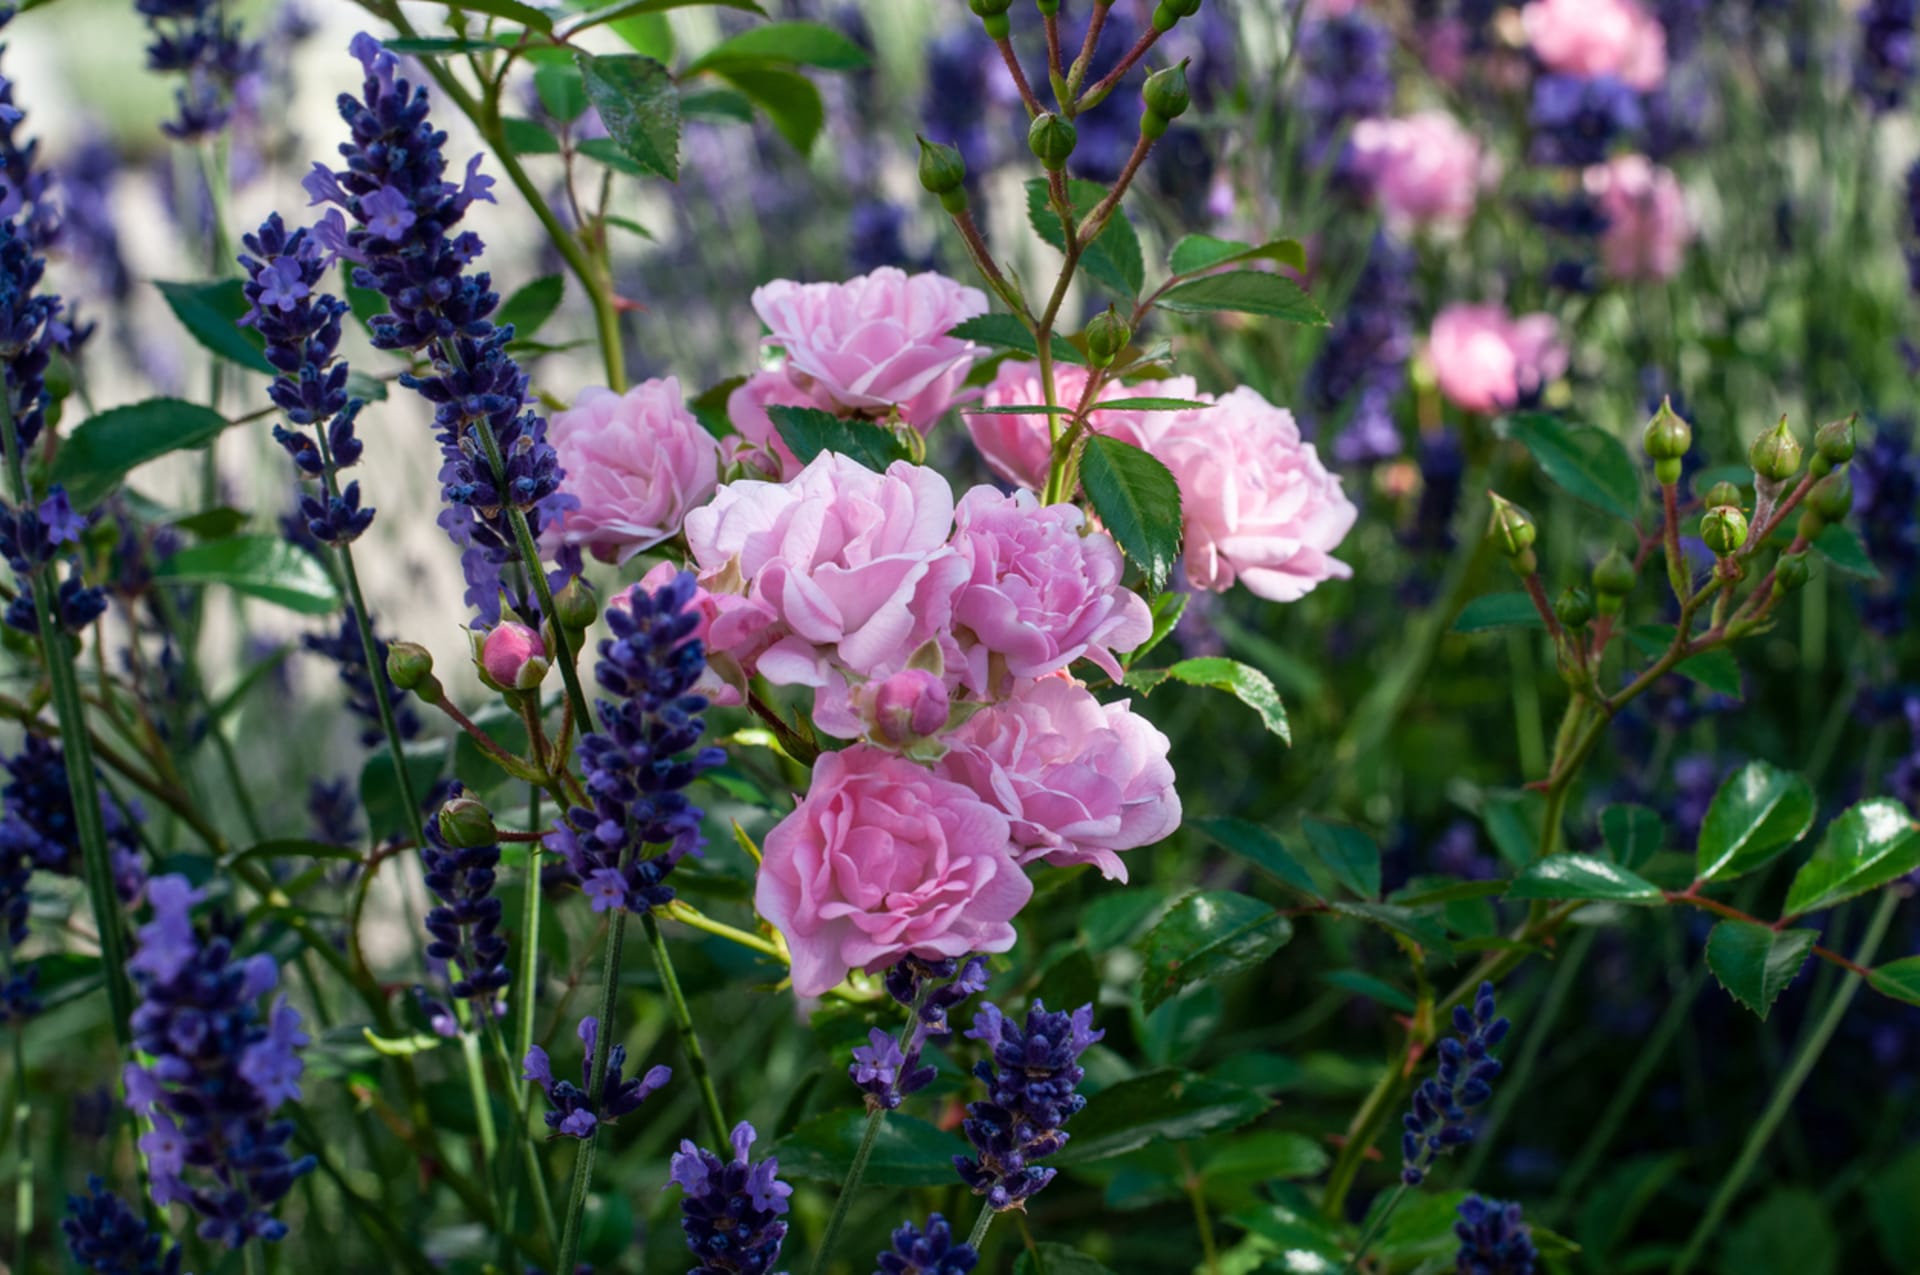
<point x="1137" y="501"/>
<point x="1582" y="876"/>
<point x="263" y="567"/>
<point x="531" y="305"/>
<point x="1244" y="292"/>
<point x="1159" y="1106"/>
<point x="111" y="444"/>
<point x="1112" y="260"/>
<point x="1195" y="253"/>
<point x="1493" y="611"/>
<point x="639" y="105"/>
<point x="1208" y="935"/>
<point x="1755" y="962"/>
<point x="1349" y="855"/>
<point x="908" y="1153"/>
<point x="810" y="431"/>
<point x="1590" y="464"/>
<point x="1757" y="814"/>
<point x="1869" y="846"/>
<point x="211" y="313"/>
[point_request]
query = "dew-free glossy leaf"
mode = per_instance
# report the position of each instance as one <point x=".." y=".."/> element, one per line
<point x="1245" y="292"/>
<point x="632" y="8"/>
<point x="1590" y="464"/>
<point x="1759" y="812"/>
<point x="1871" y="844"/>
<point x="1247" y="684"/>
<point x="784" y="44"/>
<point x="526" y="137"/>
<point x="1113" y="259"/>
<point x="908" y="1153"/>
<point x="810" y="431"/>
<point x="639" y="105"/>
<point x="108" y="445"/>
<point x="1204" y="936"/>
<point x="1633" y="834"/>
<point x="1260" y="847"/>
<point x="211" y="313"/>
<point x="1404" y="924"/>
<point x="264" y="567"/>
<point x="1513" y="821"/>
<point x="1899" y="979"/>
<point x="1582" y="876"/>
<point x="1203" y="252"/>
<point x="1492" y="611"/>
<point x="1009" y="333"/>
<point x="1349" y="854"/>
<point x="1138" y="502"/>
<point x="1159" y="1106"/>
<point x="791" y="101"/>
<point x="1756" y="962"/>
<point x="531" y="305"/>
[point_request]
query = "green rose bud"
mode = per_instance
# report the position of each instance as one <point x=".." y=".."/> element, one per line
<point x="1048" y="8"/>
<point x="1724" y="529"/>
<point x="576" y="606"/>
<point x="1833" y="445"/>
<point x="1171" y="11"/>
<point x="1790" y="573"/>
<point x="1573" y="607"/>
<point x="1512" y="530"/>
<point x="1613" y="580"/>
<point x="1166" y="94"/>
<point x="466" y="824"/>
<point x="1831" y="497"/>
<point x="1723" y="494"/>
<point x="1775" y="455"/>
<point x="1667" y="436"/>
<point x="1051" y="138"/>
<point x="944" y="173"/>
<point x="993" y="15"/>
<point x="1107" y="335"/>
<point x="410" y="668"/>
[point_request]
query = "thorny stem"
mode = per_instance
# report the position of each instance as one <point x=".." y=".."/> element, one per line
<point x="1093" y="96"/>
<point x="1690" y="897"/>
<point x="1008" y="56"/>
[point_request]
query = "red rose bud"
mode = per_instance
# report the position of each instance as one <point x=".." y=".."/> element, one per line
<point x="513" y="658"/>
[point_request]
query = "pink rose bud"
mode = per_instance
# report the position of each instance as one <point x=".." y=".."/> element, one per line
<point x="909" y="706"/>
<point x="514" y="657"/>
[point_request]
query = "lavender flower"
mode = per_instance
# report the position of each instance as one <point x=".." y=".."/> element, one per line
<point x="1886" y="504"/>
<point x="1493" y="1239"/>
<point x="105" y="1235"/>
<point x="883" y="1068"/>
<point x="466" y="924"/>
<point x="1885" y="69"/>
<point x="344" y="648"/>
<point x="195" y="40"/>
<point x="1029" y="1097"/>
<point x="1438" y="1121"/>
<point x="932" y="1252"/>
<point x="38" y="821"/>
<point x="87" y="231"/>
<point x="1346" y="66"/>
<point x="32" y="325"/>
<point x="638" y="767"/>
<point x="402" y="244"/>
<point x="25" y="188"/>
<point x="217" y="1074"/>
<point x="732" y="1210"/>
<point x="1576" y="121"/>
<point x="576" y="1113"/>
<point x="32" y="538"/>
<point x="1362" y="365"/>
<point x="333" y="811"/>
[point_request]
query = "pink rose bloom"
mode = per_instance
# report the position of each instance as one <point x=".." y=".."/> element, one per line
<point x="1486" y="361"/>
<point x="511" y="650"/>
<point x="636" y="462"/>
<point x="1647" y="225"/>
<point x="876" y="342"/>
<point x="1079" y="780"/>
<point x="723" y="679"/>
<point x="1040" y="592"/>
<point x="758" y="445"/>
<point x="1590" y="38"/>
<point x="841" y="566"/>
<point x="1020" y="448"/>
<point x="1424" y="170"/>
<point x="1260" y="507"/>
<point x="883" y="859"/>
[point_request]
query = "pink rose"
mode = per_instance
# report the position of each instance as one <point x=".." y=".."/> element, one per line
<point x="1259" y="506"/>
<point x="1424" y="170"/>
<point x="1040" y="591"/>
<point x="722" y="681"/>
<point x="841" y="566"/>
<point x="877" y="342"/>
<point x="636" y="462"/>
<point x="1647" y="226"/>
<point x="1590" y="38"/>
<point x="758" y="445"/>
<point x="1080" y="780"/>
<point x="1020" y="448"/>
<point x="512" y="652"/>
<point x="1486" y="361"/>
<point x="883" y="859"/>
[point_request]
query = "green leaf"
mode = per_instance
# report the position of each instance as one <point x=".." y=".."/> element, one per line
<point x="402" y="1046"/>
<point x="1404" y="924"/>
<point x="527" y="137"/>
<point x="1717" y="670"/>
<point x="640" y="107"/>
<point x="1757" y="814"/>
<point x="1158" y="1106"/>
<point x="1492" y="611"/>
<point x="715" y="104"/>
<point x="1245" y="292"/>
<point x="784" y="44"/>
<point x="1839" y="545"/>
<point x="1259" y="847"/>
<point x="1582" y="876"/>
<point x="532" y="305"/>
<point x="1589" y="463"/>
<point x="650" y="35"/>
<point x="1891" y="1190"/>
<point x="1633" y="834"/>
<point x="1167" y="610"/>
<point x="1789" y="1232"/>
<point x="380" y="790"/>
<point x="1372" y="988"/>
<point x="108" y="445"/>
<point x="633" y="8"/>
<point x="709" y="407"/>
<point x="1207" y="935"/>
<point x="1057" y="1259"/>
<point x="1009" y="333"/>
<point x="1899" y="979"/>
<point x="810" y="431"/>
<point x="1113" y="260"/>
<point x="1348" y="853"/>
<point x="1248" y="685"/>
<point x="515" y="10"/>
<point x="604" y="150"/>
<point x="1756" y="962"/>
<point x="1137" y="500"/>
<point x="790" y="101"/>
<point x="211" y="313"/>
<point x="264" y="567"/>
<point x="1871" y="844"/>
<point x="562" y="90"/>
<point x="909" y="1152"/>
<point x="1203" y="252"/>
<point x="1513" y="821"/>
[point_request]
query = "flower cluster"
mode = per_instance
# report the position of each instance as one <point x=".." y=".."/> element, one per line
<point x="1031" y="1094"/>
<point x="1438" y="1121"/>
<point x="403" y="243"/>
<point x="1884" y="73"/>
<point x="25" y="187"/>
<point x="1493" y="1239"/>
<point x="886" y="1069"/>
<point x="732" y="1210"/>
<point x="459" y="860"/>
<point x="106" y="1235"/>
<point x="933" y="1251"/>
<point x="576" y="1112"/>
<point x="638" y="766"/>
<point x="196" y="39"/>
<point x="218" y="1071"/>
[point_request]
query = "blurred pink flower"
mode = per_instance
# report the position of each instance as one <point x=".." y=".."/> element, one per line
<point x="637" y="463"/>
<point x="758" y="445"/>
<point x="1041" y="591"/>
<point x="1424" y="170"/>
<point x="876" y="342"/>
<point x="882" y="859"/>
<point x="1486" y="361"/>
<point x="1647" y="225"/>
<point x="1080" y="780"/>
<point x="1591" y="38"/>
<point x="1259" y="506"/>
